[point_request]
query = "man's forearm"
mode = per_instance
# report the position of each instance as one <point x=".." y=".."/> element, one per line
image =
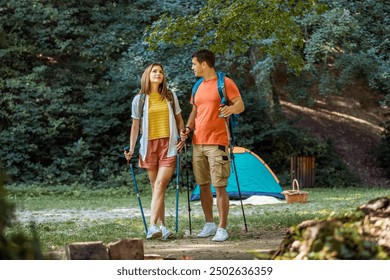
<point x="191" y="120"/>
<point x="238" y="106"/>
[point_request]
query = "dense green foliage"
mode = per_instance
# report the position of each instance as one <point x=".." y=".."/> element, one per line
<point x="67" y="83"/>
<point x="348" y="44"/>
<point x="70" y="69"/>
<point x="237" y="25"/>
<point x="344" y="41"/>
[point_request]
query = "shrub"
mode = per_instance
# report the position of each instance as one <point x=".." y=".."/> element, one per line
<point x="15" y="246"/>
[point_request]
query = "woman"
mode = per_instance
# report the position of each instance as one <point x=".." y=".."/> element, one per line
<point x="156" y="111"/>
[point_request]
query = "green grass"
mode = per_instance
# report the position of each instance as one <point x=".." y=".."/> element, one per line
<point x="54" y="235"/>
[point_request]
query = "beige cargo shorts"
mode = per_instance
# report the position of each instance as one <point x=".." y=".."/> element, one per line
<point x="211" y="164"/>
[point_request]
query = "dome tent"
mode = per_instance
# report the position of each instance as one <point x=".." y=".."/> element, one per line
<point x="254" y="176"/>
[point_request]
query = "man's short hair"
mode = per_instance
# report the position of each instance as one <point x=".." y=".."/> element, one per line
<point x="205" y="55"/>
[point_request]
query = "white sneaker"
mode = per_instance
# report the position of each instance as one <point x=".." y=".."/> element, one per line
<point x="221" y="235"/>
<point x="208" y="230"/>
<point x="153" y="232"/>
<point x="166" y="233"/>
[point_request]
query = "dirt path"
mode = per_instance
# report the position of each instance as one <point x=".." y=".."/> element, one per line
<point x="246" y="248"/>
<point x="256" y="244"/>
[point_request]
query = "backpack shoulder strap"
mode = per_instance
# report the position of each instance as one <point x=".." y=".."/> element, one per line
<point x="141" y="103"/>
<point x="233" y="119"/>
<point x="221" y="88"/>
<point x="172" y="102"/>
<point x="195" y="88"/>
<point x="220" y="85"/>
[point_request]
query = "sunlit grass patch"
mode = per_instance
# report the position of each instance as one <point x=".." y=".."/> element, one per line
<point x="107" y="216"/>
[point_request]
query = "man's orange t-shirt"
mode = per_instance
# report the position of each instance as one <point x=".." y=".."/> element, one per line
<point x="210" y="129"/>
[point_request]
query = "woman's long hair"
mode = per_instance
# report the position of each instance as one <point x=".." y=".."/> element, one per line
<point x="162" y="88"/>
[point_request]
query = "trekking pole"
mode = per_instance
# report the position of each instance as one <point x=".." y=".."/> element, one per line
<point x="231" y="147"/>
<point x="136" y="191"/>
<point x="177" y="191"/>
<point x="188" y="188"/>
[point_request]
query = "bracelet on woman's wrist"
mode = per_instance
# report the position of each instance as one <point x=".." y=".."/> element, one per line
<point x="188" y="128"/>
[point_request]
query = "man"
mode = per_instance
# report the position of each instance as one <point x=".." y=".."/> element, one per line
<point x="210" y="141"/>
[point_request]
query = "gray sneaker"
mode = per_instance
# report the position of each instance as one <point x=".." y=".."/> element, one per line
<point x="166" y="233"/>
<point x="208" y="230"/>
<point x="153" y="232"/>
<point x="221" y="235"/>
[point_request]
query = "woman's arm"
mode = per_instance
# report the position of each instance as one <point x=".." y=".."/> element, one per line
<point x="134" y="131"/>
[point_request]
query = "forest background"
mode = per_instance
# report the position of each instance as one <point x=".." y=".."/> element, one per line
<point x="69" y="71"/>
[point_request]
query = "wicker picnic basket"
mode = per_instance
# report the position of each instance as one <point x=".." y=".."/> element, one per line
<point x="297" y="195"/>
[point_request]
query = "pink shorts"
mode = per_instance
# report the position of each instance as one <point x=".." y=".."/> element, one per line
<point x="156" y="155"/>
